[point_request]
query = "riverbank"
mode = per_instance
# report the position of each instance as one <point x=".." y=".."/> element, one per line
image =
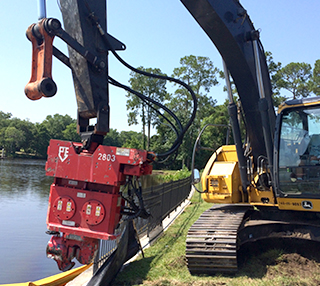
<point x="20" y="155"/>
<point x="165" y="264"/>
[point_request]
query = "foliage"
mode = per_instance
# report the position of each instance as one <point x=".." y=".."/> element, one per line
<point x="300" y="79"/>
<point x="112" y="138"/>
<point x="126" y="139"/>
<point x="314" y="84"/>
<point x="274" y="68"/>
<point x="154" y="89"/>
<point x="201" y="75"/>
<point x="14" y="138"/>
<point x="214" y="136"/>
<point x="197" y="72"/>
<point x="70" y="132"/>
<point x="33" y="138"/>
<point x="168" y="176"/>
<point x="56" y="124"/>
<point x="295" y="77"/>
<point x="41" y="140"/>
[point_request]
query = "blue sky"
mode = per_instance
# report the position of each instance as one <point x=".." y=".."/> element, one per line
<point x="157" y="34"/>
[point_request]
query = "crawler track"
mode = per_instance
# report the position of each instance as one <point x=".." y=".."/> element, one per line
<point x="211" y="244"/>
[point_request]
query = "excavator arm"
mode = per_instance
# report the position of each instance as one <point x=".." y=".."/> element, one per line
<point x="88" y="61"/>
<point x="229" y="27"/>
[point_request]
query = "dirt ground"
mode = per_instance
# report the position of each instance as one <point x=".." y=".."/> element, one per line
<point x="294" y="265"/>
<point x="290" y="260"/>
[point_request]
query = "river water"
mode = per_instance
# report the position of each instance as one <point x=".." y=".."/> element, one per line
<point x="24" y="192"/>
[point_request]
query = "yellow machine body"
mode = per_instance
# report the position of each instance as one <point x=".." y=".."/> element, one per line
<point x="221" y="180"/>
<point x="221" y="177"/>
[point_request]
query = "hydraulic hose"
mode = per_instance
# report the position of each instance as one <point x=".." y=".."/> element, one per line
<point x="179" y="139"/>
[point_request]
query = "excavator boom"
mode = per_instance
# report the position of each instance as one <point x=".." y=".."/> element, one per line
<point x="229" y="27"/>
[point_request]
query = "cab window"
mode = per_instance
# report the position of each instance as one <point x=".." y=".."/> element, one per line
<point x="299" y="151"/>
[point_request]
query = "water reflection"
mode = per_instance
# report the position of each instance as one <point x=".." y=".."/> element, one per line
<point x="21" y="175"/>
<point x="24" y="191"/>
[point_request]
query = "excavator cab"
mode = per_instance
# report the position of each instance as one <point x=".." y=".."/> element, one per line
<point x="297" y="155"/>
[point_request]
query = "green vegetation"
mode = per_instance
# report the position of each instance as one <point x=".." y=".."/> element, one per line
<point x="201" y="75"/>
<point x="164" y="263"/>
<point x="24" y="138"/>
<point x="21" y="137"/>
<point x="152" y="88"/>
<point x="168" y="176"/>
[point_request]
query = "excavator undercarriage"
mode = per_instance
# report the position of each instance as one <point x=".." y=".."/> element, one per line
<point x="215" y="239"/>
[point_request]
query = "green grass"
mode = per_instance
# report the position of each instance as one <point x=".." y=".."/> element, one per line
<point x="167" y="257"/>
<point x="165" y="176"/>
<point x="164" y="262"/>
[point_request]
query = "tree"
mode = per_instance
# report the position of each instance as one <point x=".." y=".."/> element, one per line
<point x="295" y="77"/>
<point x="4" y="116"/>
<point x="314" y="85"/>
<point x="200" y="74"/>
<point x="274" y="68"/>
<point x="70" y="133"/>
<point x="17" y="134"/>
<point x="56" y="124"/>
<point x="28" y="130"/>
<point x="131" y="139"/>
<point x="112" y="138"/>
<point x="41" y="140"/>
<point x="151" y="87"/>
<point x="197" y="72"/>
<point x="133" y="142"/>
<point x="13" y="139"/>
<point x="4" y="123"/>
<point x="214" y="136"/>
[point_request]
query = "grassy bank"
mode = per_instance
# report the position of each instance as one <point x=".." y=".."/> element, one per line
<point x="164" y="263"/>
<point x="165" y="176"/>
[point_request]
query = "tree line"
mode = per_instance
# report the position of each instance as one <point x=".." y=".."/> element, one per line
<point x="298" y="79"/>
<point x="33" y="138"/>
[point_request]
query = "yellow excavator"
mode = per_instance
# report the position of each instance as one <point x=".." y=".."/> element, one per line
<point x="268" y="185"/>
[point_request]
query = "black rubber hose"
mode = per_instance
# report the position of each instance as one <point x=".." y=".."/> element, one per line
<point x="178" y="141"/>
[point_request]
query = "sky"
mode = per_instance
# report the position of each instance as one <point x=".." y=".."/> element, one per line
<point x="157" y="34"/>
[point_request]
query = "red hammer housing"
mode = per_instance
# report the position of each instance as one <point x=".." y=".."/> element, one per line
<point x="85" y="201"/>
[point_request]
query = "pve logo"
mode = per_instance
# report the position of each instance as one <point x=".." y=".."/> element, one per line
<point x="307" y="205"/>
<point x="63" y="153"/>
